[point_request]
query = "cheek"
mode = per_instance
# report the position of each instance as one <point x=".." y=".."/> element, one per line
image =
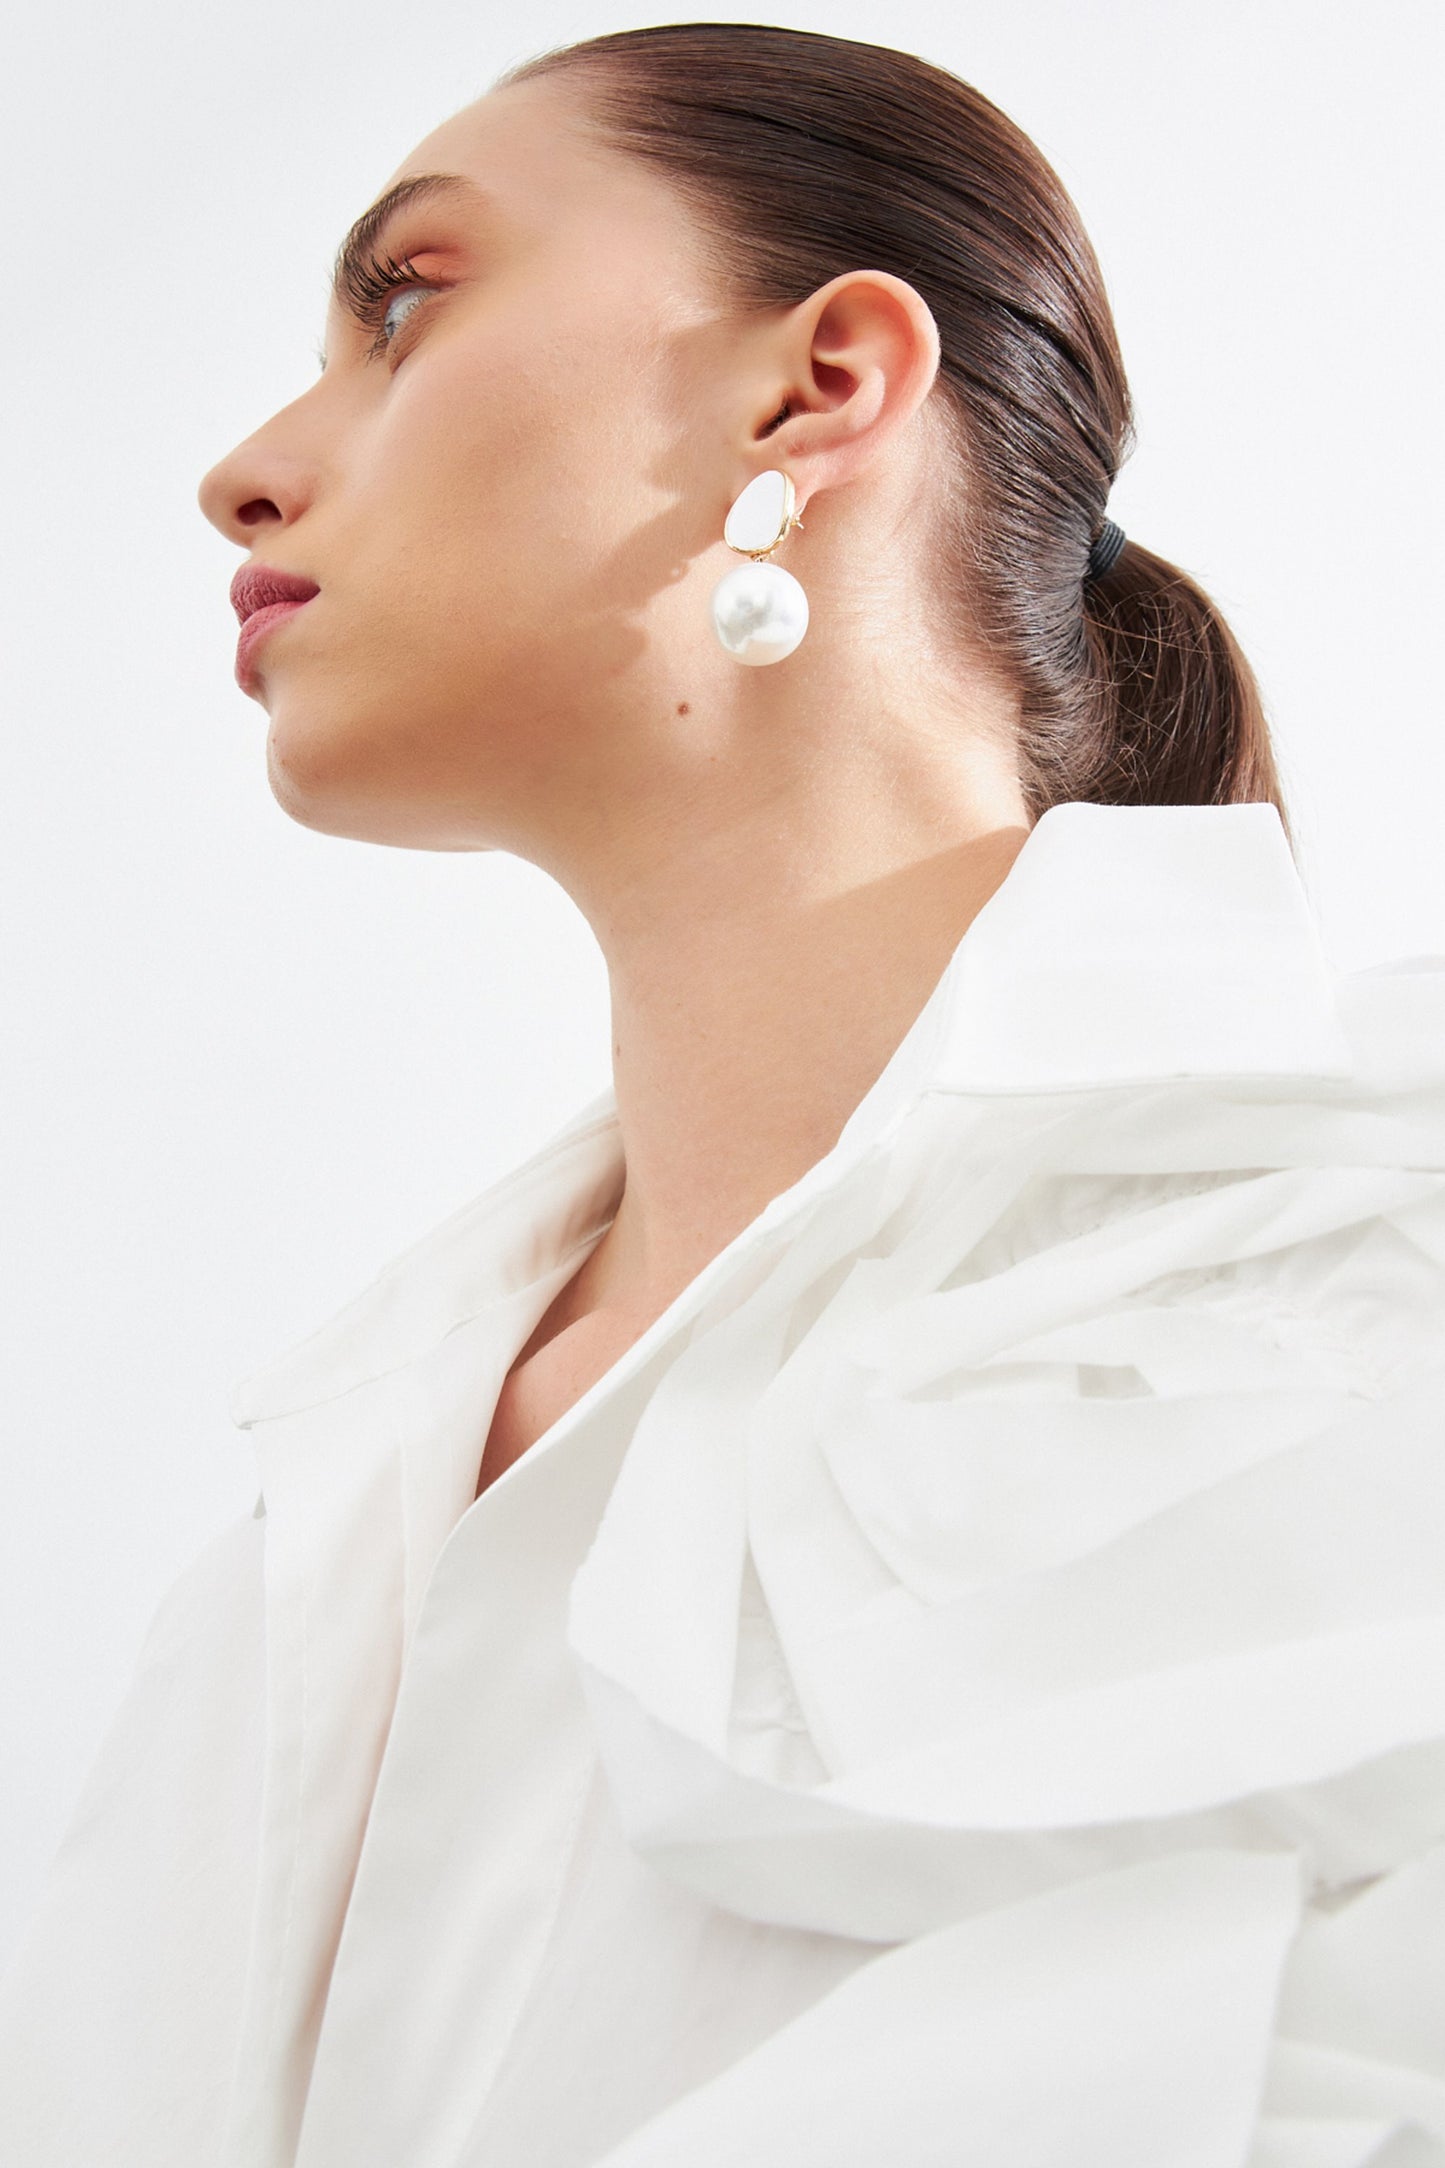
<point x="519" y="514"/>
<point x="526" y="467"/>
<point x="510" y="520"/>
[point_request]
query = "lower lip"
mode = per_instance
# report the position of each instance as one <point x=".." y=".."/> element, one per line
<point x="255" y="629"/>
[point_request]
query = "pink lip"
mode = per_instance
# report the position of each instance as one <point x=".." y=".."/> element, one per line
<point x="261" y="595"/>
<point x="255" y="629"/>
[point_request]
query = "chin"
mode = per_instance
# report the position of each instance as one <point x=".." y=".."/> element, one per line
<point x="326" y="784"/>
<point x="304" y="783"/>
<point x="316" y="784"/>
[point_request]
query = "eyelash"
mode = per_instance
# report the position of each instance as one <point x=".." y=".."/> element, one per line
<point x="370" y="290"/>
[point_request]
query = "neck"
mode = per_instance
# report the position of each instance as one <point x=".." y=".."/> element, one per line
<point x="768" y="947"/>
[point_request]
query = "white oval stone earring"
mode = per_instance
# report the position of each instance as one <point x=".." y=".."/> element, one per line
<point x="759" y="611"/>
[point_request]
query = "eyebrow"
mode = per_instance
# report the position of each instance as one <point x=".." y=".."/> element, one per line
<point x="361" y="242"/>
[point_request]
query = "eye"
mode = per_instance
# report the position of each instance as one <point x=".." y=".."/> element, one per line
<point x="373" y="291"/>
<point x="380" y="343"/>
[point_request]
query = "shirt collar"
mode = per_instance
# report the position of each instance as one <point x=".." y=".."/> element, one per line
<point x="1133" y="943"/>
<point x="1125" y="945"/>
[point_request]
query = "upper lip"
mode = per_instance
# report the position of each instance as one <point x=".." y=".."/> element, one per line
<point x="257" y="586"/>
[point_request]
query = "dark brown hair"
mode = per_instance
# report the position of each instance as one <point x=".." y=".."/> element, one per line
<point x="807" y="155"/>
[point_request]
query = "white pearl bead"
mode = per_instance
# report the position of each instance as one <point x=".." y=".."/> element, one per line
<point x="759" y="612"/>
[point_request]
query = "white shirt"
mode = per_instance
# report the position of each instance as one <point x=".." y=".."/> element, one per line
<point x="966" y="1687"/>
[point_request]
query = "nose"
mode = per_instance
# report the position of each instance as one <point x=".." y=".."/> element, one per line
<point x="261" y="483"/>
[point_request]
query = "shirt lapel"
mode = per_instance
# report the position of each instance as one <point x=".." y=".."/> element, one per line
<point x="368" y="1438"/>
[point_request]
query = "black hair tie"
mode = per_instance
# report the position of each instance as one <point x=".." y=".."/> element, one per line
<point x="1106" y="546"/>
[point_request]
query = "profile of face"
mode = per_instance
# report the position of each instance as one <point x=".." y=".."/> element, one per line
<point x="509" y="485"/>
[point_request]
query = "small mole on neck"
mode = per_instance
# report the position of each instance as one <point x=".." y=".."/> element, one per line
<point x="682" y="707"/>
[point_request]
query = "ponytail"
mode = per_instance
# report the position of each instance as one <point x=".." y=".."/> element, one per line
<point x="1177" y="717"/>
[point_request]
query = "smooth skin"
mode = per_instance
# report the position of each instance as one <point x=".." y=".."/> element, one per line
<point x="514" y="514"/>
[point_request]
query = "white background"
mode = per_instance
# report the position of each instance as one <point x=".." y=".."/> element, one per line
<point x="245" y="1063"/>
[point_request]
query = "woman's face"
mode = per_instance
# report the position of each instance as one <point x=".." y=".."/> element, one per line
<point x="502" y="486"/>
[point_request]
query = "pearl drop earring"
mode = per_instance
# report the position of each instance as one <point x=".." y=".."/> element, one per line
<point x="759" y="611"/>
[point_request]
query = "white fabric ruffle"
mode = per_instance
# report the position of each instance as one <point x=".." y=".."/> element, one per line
<point x="1070" y="1559"/>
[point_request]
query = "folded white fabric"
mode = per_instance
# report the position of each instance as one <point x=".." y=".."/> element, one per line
<point x="1063" y="1570"/>
<point x="1066" y="2029"/>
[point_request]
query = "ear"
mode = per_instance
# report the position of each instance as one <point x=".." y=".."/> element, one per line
<point x="859" y="358"/>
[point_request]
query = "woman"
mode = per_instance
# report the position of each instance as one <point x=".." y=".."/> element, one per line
<point x="881" y="1600"/>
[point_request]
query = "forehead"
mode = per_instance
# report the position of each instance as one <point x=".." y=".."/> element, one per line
<point x="533" y="150"/>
